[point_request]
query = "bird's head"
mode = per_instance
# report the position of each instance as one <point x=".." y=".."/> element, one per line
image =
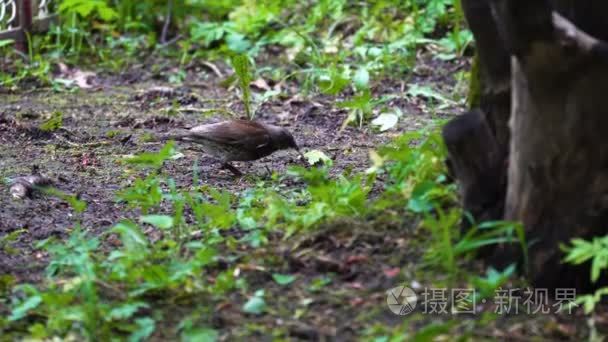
<point x="281" y="138"/>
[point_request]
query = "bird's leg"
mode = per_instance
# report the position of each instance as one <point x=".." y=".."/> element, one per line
<point x="232" y="169"/>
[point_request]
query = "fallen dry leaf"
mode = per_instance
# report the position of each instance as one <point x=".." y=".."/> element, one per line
<point x="392" y="272"/>
<point x="260" y="84"/>
<point x="357" y="301"/>
<point x="355" y="259"/>
<point x="355" y="285"/>
<point x="81" y="79"/>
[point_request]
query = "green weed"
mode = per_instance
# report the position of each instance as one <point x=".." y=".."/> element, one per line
<point x="595" y="253"/>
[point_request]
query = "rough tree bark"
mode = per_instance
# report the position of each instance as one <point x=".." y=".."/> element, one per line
<point x="558" y="165"/>
<point x="557" y="181"/>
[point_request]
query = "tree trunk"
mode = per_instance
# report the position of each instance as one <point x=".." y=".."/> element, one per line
<point x="558" y="165"/>
<point x="478" y="142"/>
<point x="494" y="70"/>
<point x="557" y="180"/>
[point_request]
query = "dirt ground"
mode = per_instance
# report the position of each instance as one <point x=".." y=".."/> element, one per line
<point x="109" y="121"/>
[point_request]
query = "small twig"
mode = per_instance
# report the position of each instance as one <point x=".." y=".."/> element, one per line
<point x="202" y="85"/>
<point x="71" y="143"/>
<point x="22" y="55"/>
<point x="170" y="42"/>
<point x="163" y="36"/>
<point x="201" y="99"/>
<point x="213" y="68"/>
<point x="363" y="145"/>
<point x="120" y="294"/>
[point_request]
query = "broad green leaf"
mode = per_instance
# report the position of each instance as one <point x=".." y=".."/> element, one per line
<point x="237" y="42"/>
<point x="256" y="304"/>
<point x="205" y="255"/>
<point x="54" y="123"/>
<point x="107" y="14"/>
<point x="23" y="308"/>
<point x="125" y="311"/>
<point x="420" y="201"/>
<point x="159" y="221"/>
<point x="361" y="79"/>
<point x="419" y="205"/>
<point x="145" y="328"/>
<point x="333" y="81"/>
<point x="6" y="42"/>
<point x="207" y="32"/>
<point x="361" y="102"/>
<point x="283" y="279"/>
<point x="315" y="156"/>
<point x="433" y="331"/>
<point x="86" y="8"/>
<point x="200" y="335"/>
<point x="156" y="160"/>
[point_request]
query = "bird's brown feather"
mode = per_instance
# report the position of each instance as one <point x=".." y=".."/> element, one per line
<point x="241" y="134"/>
<point x="237" y="140"/>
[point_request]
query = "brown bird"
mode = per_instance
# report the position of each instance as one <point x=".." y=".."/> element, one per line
<point x="237" y="140"/>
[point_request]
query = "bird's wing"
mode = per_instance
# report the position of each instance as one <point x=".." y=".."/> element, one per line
<point x="239" y="133"/>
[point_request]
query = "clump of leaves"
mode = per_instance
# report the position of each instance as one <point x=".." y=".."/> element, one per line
<point x="486" y="286"/>
<point x="7" y="241"/>
<point x="360" y="107"/>
<point x="53" y="123"/>
<point x="317" y="157"/>
<point x="413" y="164"/>
<point x="256" y="305"/>
<point x="415" y="175"/>
<point x="98" y="295"/>
<point x="594" y="252"/>
<point x="153" y="160"/>
<point x="6" y="42"/>
<point x="88" y="8"/>
<point x="144" y="194"/>
<point x="326" y="199"/>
